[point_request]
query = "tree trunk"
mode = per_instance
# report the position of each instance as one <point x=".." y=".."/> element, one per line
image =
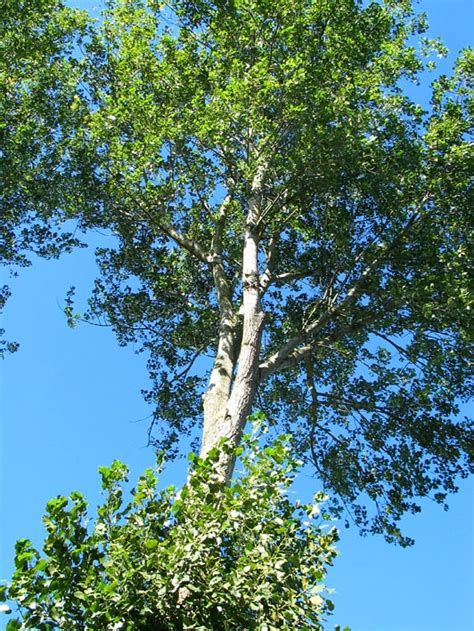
<point x="217" y="395"/>
<point x="228" y="400"/>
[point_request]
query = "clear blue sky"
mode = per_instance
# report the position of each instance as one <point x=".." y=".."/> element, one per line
<point x="70" y="401"/>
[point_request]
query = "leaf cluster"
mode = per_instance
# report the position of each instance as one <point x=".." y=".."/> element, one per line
<point x="210" y="556"/>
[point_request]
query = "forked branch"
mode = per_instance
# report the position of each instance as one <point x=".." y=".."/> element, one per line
<point x="298" y="346"/>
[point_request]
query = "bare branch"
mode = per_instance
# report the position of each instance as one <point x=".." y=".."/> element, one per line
<point x="281" y="196"/>
<point x="288" y="351"/>
<point x="277" y="364"/>
<point x="224" y="293"/>
<point x="287" y="355"/>
<point x="271" y="263"/>
<point x="421" y="364"/>
<point x="192" y="246"/>
<point x="288" y="277"/>
<point x="184" y="372"/>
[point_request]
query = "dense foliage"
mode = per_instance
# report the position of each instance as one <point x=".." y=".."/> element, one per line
<point x="243" y="556"/>
<point x="277" y="202"/>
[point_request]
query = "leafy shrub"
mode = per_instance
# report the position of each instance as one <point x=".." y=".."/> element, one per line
<point x="209" y="556"/>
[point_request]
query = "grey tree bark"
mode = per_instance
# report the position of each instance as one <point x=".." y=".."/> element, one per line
<point x="233" y="381"/>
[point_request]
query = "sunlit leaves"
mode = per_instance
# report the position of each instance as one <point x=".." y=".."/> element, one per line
<point x="208" y="557"/>
<point x="158" y="112"/>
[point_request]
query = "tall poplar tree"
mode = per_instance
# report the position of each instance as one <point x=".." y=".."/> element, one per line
<point x="279" y="203"/>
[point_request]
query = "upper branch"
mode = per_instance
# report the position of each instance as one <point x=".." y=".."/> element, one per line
<point x="288" y="277"/>
<point x="224" y="293"/>
<point x="256" y="192"/>
<point x="266" y="277"/>
<point x="268" y="367"/>
<point x="288" y="353"/>
<point x="191" y="245"/>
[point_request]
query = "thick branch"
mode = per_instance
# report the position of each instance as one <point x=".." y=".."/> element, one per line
<point x="192" y="246"/>
<point x="224" y="294"/>
<point x="268" y="368"/>
<point x="271" y="263"/>
<point x="279" y="359"/>
<point x="220" y="381"/>
<point x="288" y="277"/>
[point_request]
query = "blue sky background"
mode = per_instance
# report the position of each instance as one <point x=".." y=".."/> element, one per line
<point x="70" y="401"/>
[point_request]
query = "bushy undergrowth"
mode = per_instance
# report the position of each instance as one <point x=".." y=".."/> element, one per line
<point x="209" y="556"/>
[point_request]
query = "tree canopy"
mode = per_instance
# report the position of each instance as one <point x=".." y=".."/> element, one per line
<point x="279" y="203"/>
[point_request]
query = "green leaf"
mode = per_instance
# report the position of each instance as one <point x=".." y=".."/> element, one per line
<point x="212" y="556"/>
<point x="151" y="544"/>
